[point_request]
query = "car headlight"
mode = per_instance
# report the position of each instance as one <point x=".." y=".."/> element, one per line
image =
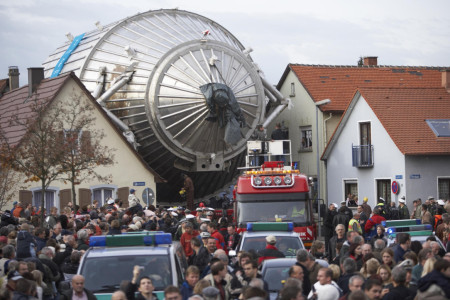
<point x="268" y="180"/>
<point x="288" y="180"/>
<point x="257" y="180"/>
<point x="277" y="180"/>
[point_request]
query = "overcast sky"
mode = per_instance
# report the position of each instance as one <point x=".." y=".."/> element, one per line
<point x="399" y="32"/>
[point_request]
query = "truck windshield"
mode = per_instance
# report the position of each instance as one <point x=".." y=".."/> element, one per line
<point x="104" y="274"/>
<point x="279" y="211"/>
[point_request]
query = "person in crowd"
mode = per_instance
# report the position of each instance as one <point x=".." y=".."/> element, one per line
<point x="349" y="268"/>
<point x="338" y="238"/>
<point x="214" y="232"/>
<point x="187" y="236"/>
<point x="366" y="207"/>
<point x="313" y="268"/>
<point x="328" y="228"/>
<point x="427" y="218"/>
<point x="342" y="217"/>
<point x="355" y="283"/>
<point x="403" y="209"/>
<point x="370" y="268"/>
<point x="428" y="266"/>
<point x="303" y="261"/>
<point x="362" y="217"/>
<point x="217" y="279"/>
<point x="435" y="285"/>
<point x="403" y="246"/>
<point x="232" y="238"/>
<point x="387" y="257"/>
<point x="417" y="212"/>
<point x="354" y="225"/>
<point x="191" y="279"/>
<point x="399" y="290"/>
<point x="318" y="249"/>
<point x="355" y="253"/>
<point x="373" y="221"/>
<point x="385" y="274"/>
<point x="372" y="289"/>
<point x="172" y="293"/>
<point x="270" y="251"/>
<point x="325" y="286"/>
<point x="78" y="291"/>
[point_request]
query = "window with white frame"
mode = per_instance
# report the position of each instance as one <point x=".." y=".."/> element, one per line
<point x="444" y="188"/>
<point x="306" y="138"/>
<point x="350" y="188"/>
<point x="49" y="199"/>
<point x="102" y="193"/>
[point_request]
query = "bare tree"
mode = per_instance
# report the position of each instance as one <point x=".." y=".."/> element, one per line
<point x="83" y="149"/>
<point x="39" y="152"/>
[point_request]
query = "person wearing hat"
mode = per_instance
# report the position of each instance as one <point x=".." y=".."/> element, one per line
<point x="366" y="207"/>
<point x="383" y="210"/>
<point x="432" y="207"/>
<point x="403" y="209"/>
<point x="348" y="211"/>
<point x="270" y="251"/>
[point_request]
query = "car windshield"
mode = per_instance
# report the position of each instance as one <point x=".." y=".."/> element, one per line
<point x="286" y="244"/>
<point x="274" y="275"/>
<point x="286" y="211"/>
<point x="105" y="274"/>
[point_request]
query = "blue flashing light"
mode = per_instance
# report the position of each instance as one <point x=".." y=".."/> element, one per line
<point x="249" y="226"/>
<point x="142" y="239"/>
<point x="97" y="241"/>
<point x="290" y="226"/>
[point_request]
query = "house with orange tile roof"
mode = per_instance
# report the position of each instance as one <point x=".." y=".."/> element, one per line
<point x="309" y="85"/>
<point x="392" y="142"/>
<point x="129" y="170"/>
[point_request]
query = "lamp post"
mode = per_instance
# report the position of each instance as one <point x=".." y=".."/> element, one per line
<point x="319" y="103"/>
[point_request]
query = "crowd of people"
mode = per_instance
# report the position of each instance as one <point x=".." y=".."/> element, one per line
<point x="40" y="258"/>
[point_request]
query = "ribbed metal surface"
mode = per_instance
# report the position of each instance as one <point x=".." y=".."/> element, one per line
<point x="162" y="104"/>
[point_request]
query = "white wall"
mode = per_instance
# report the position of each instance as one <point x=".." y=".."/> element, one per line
<point x="388" y="161"/>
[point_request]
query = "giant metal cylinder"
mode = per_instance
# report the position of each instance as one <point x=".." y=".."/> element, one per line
<point x="170" y="54"/>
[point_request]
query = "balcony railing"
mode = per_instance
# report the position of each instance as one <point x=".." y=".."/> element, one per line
<point x="362" y="156"/>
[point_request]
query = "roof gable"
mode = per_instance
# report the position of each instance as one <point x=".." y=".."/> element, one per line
<point x="339" y="83"/>
<point x="18" y="102"/>
<point x="403" y="113"/>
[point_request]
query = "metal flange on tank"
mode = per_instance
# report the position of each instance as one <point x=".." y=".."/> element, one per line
<point x="179" y="85"/>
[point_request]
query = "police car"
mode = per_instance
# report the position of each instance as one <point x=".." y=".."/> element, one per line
<point x="418" y="231"/>
<point x="254" y="238"/>
<point x="111" y="259"/>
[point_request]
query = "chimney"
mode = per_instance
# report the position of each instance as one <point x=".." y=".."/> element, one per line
<point x="13" y="73"/>
<point x="446" y="80"/>
<point x="35" y="76"/>
<point x="370" y="61"/>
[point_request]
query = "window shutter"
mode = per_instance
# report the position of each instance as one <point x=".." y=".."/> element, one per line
<point x="86" y="142"/>
<point x="85" y="196"/>
<point x="65" y="196"/>
<point x="26" y="197"/>
<point x="122" y="194"/>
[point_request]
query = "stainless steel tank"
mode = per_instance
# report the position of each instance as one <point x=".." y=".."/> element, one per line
<point x="147" y="71"/>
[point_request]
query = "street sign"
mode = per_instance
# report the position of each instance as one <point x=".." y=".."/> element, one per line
<point x="138" y="183"/>
<point x="395" y="187"/>
<point x="414" y="176"/>
<point x="398" y="176"/>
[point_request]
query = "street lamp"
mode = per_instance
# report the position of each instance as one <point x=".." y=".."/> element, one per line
<point x="319" y="103"/>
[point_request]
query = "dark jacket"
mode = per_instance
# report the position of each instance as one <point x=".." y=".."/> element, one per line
<point x="269" y="252"/>
<point x="186" y="290"/>
<point x="67" y="295"/>
<point x="25" y="245"/>
<point x="341" y="218"/>
<point x="201" y="259"/>
<point x="306" y="282"/>
<point x="400" y="292"/>
<point x="434" y="277"/>
<point x="130" y="292"/>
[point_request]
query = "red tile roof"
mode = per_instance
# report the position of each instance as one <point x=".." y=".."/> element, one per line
<point x="403" y="111"/>
<point x="18" y="102"/>
<point x="339" y="83"/>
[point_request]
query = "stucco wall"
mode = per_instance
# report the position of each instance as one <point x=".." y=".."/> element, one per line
<point x="429" y="168"/>
<point x="388" y="161"/>
<point x="127" y="169"/>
